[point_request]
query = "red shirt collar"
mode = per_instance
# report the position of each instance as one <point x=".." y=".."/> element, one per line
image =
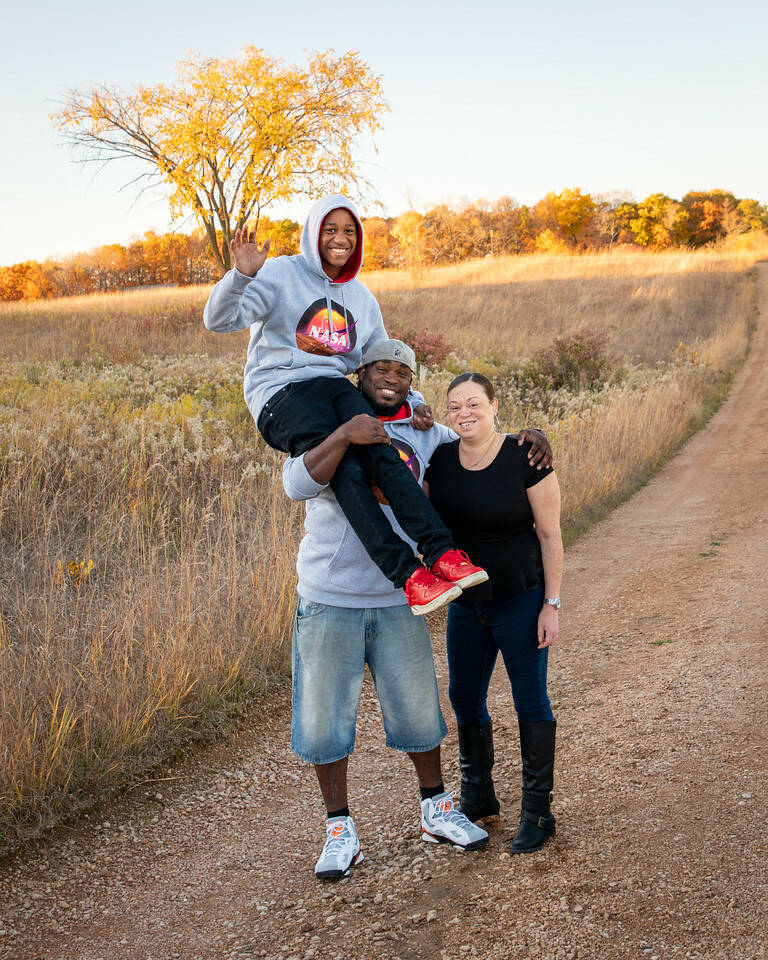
<point x="402" y="414"/>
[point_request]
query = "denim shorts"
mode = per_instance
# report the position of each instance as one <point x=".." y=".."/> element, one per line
<point x="331" y="646"/>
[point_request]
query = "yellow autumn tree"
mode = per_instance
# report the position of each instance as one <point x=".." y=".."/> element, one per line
<point x="566" y="214"/>
<point x="659" y="221"/>
<point x="235" y="135"/>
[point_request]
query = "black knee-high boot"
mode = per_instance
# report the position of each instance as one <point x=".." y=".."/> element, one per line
<point x="537" y="748"/>
<point x="478" y="798"/>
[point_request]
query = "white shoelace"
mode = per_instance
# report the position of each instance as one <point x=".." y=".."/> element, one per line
<point x="333" y="844"/>
<point x="447" y="809"/>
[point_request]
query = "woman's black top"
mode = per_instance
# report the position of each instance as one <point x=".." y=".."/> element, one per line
<point x="489" y="515"/>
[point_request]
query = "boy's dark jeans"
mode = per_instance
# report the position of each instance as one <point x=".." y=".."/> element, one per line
<point x="303" y="414"/>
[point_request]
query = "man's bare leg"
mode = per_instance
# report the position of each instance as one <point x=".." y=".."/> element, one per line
<point x="332" y="778"/>
<point x="428" y="768"/>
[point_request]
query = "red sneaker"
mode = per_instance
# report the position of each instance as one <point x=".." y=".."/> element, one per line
<point x="425" y="592"/>
<point x="455" y="567"/>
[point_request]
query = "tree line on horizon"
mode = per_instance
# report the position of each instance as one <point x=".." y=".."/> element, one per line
<point x="565" y="222"/>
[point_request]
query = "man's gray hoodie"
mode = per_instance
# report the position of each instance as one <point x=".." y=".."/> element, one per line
<point x="333" y="566"/>
<point x="303" y="324"/>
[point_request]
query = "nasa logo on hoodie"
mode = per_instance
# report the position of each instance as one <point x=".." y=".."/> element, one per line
<point x="317" y="333"/>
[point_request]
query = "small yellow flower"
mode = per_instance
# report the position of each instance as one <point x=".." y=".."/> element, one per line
<point x="79" y="570"/>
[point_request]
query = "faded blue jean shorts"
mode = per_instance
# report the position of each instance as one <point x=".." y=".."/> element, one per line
<point x="331" y="646"/>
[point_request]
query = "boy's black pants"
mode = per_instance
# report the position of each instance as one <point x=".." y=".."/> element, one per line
<point x="302" y="415"/>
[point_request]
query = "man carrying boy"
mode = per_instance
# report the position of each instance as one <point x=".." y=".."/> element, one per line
<point x="310" y="321"/>
<point x="349" y="614"/>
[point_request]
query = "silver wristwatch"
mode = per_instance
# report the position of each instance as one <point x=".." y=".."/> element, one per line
<point x="553" y="602"/>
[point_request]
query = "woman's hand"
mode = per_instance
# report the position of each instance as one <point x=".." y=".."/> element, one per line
<point x="549" y="626"/>
<point x="249" y="259"/>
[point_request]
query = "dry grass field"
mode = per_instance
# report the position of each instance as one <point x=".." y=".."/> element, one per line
<point x="147" y="581"/>
<point x="511" y="306"/>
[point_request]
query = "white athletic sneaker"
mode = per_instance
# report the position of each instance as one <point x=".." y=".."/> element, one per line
<point x="441" y="822"/>
<point x="341" y="851"/>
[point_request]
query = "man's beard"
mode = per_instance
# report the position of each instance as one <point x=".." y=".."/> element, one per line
<point x="383" y="409"/>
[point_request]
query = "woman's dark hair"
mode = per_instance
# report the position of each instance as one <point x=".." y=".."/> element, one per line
<point x="484" y="382"/>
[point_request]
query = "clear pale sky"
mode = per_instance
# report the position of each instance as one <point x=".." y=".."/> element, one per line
<point x="487" y="99"/>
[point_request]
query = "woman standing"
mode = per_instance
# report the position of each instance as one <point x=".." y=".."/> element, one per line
<point x="506" y="513"/>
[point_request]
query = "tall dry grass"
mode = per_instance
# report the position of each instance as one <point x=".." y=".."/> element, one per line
<point x="147" y="580"/>
<point x="148" y="558"/>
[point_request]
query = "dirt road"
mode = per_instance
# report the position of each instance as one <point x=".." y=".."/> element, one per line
<point x="660" y="691"/>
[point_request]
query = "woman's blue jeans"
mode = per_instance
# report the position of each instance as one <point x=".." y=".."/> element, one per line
<point x="475" y="636"/>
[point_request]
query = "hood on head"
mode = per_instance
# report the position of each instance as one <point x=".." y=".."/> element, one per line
<point x="310" y="236"/>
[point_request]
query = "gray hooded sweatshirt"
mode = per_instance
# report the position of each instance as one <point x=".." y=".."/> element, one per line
<point x="303" y="324"/>
<point x="333" y="565"/>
